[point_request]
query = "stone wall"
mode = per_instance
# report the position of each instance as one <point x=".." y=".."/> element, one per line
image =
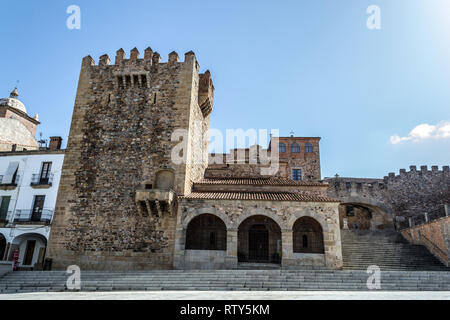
<point x="435" y="235"/>
<point x="120" y="138"/>
<point x="12" y="131"/>
<point x="408" y="194"/>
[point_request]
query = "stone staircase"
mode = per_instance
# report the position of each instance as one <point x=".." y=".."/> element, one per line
<point x="349" y="280"/>
<point x="386" y="249"/>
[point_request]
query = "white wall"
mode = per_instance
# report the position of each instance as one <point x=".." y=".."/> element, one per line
<point x="22" y="196"/>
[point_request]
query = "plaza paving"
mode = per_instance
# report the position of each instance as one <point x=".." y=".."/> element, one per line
<point x="232" y="295"/>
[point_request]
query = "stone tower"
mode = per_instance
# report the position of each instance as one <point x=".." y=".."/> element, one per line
<point x="117" y="201"/>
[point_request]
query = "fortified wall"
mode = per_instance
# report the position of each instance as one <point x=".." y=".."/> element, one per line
<point x="410" y="194"/>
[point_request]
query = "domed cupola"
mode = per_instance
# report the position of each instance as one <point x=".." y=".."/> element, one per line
<point x="13" y="102"/>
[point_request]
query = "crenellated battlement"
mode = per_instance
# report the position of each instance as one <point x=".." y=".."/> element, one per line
<point x="150" y="58"/>
<point x="413" y="171"/>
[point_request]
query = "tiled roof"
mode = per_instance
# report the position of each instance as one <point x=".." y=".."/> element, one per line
<point x="272" y="196"/>
<point x="257" y="181"/>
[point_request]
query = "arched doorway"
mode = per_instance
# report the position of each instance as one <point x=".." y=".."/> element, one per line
<point x="206" y="232"/>
<point x="32" y="248"/>
<point x="307" y="236"/>
<point x="355" y="215"/>
<point x="259" y="240"/>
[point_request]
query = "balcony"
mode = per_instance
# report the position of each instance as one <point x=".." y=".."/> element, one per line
<point x="155" y="202"/>
<point x="28" y="217"/>
<point x="40" y="182"/>
<point x="9" y="186"/>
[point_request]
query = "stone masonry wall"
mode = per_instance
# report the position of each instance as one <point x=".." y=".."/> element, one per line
<point x="435" y="235"/>
<point x="408" y="194"/>
<point x="120" y="137"/>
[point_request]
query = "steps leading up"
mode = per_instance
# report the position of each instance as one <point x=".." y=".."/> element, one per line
<point x="386" y="249"/>
<point x="349" y="280"/>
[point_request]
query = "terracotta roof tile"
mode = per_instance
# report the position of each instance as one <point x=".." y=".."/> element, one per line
<point x="257" y="181"/>
<point x="272" y="196"/>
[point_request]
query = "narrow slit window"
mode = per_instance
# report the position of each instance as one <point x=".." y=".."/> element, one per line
<point x="128" y="81"/>
<point x="144" y="80"/>
<point x="136" y="80"/>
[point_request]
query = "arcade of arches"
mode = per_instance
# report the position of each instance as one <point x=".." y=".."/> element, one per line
<point x="213" y="239"/>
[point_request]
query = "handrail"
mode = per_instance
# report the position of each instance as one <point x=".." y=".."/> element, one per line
<point x="428" y="241"/>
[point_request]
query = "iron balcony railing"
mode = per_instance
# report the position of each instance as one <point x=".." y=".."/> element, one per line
<point x="38" y="179"/>
<point x="14" y="183"/>
<point x="28" y="215"/>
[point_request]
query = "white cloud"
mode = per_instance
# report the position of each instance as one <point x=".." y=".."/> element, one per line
<point x="425" y="131"/>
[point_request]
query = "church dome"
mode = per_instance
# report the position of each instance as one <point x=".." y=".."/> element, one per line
<point x="13" y="102"/>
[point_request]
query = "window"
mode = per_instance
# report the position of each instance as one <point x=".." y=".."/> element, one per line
<point x="308" y="148"/>
<point x="297" y="174"/>
<point x="307" y="236"/>
<point x="10" y="176"/>
<point x="38" y="206"/>
<point x="4" y="205"/>
<point x="349" y="211"/>
<point x="295" y="148"/>
<point x="45" y="172"/>
<point x="206" y="232"/>
<point x="282" y="147"/>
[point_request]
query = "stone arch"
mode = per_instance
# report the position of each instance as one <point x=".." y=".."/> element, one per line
<point x="206" y="232"/>
<point x="307" y="236"/>
<point x="259" y="239"/>
<point x="381" y="215"/>
<point x="29" y="256"/>
<point x="261" y="212"/>
<point x="165" y="179"/>
<point x="208" y="210"/>
<point x="308" y="213"/>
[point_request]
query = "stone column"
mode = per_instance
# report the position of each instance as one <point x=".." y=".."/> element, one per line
<point x="231" y="259"/>
<point x="426" y="217"/>
<point x="287" y="252"/>
<point x="180" y="242"/>
<point x="447" y="210"/>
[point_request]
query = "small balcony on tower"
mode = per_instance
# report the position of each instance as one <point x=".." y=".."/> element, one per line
<point x="157" y="199"/>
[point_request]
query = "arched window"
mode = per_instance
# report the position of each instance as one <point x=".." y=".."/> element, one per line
<point x="206" y="232"/>
<point x="308" y="236"/>
<point x="282" y="147"/>
<point x="308" y="148"/>
<point x="165" y="179"/>
<point x="295" y="148"/>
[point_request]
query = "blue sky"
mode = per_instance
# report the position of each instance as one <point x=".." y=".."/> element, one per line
<point x="312" y="67"/>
